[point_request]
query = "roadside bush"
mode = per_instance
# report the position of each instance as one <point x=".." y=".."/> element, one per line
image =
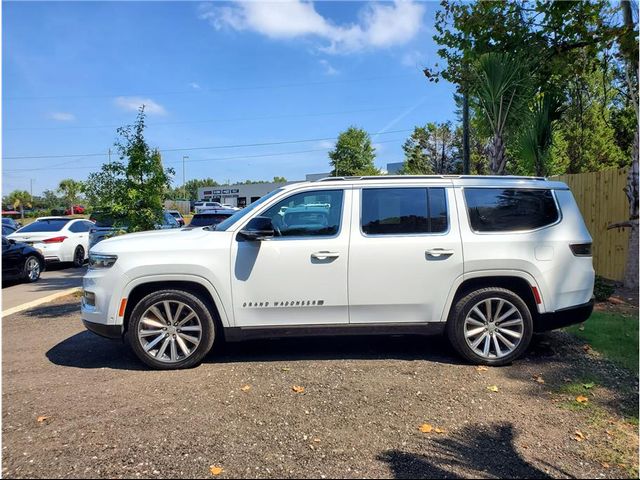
<point x="602" y="289"/>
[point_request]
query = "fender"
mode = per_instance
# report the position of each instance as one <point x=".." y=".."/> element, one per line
<point x="222" y="310"/>
<point x="488" y="274"/>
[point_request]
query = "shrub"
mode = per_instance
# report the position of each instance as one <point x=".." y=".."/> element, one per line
<point x="602" y="289"/>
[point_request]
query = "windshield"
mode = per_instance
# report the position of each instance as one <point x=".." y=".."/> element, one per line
<point x="54" y="225"/>
<point x="241" y="213"/>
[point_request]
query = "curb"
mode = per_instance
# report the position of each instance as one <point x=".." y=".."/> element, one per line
<point x="40" y="301"/>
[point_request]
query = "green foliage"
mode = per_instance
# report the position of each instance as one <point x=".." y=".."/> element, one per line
<point x="19" y="199"/>
<point x="70" y="189"/>
<point x="353" y="154"/>
<point x="602" y="289"/>
<point x="434" y="148"/>
<point x="279" y="180"/>
<point x="189" y="191"/>
<point x="133" y="187"/>
<point x="537" y="136"/>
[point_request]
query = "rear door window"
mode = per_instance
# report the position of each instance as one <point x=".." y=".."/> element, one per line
<point x="404" y="211"/>
<point x="510" y="209"/>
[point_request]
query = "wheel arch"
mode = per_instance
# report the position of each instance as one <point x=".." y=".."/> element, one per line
<point x="518" y="282"/>
<point x="142" y="287"/>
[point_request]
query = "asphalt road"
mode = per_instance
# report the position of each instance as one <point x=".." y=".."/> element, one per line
<point x="54" y="279"/>
<point x="75" y="405"/>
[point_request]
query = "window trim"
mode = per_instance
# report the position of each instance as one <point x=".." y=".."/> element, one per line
<point x="395" y="235"/>
<point x="303" y="237"/>
<point x="509" y="232"/>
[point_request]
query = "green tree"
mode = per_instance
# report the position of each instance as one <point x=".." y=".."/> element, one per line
<point x="279" y="180"/>
<point x="500" y="91"/>
<point x="134" y="186"/>
<point x="191" y="188"/>
<point x="70" y="189"/>
<point x="19" y="199"/>
<point x="353" y="154"/>
<point x="434" y="148"/>
<point x="49" y="199"/>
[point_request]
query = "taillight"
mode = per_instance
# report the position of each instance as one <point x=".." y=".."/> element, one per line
<point x="581" y="249"/>
<point x="55" y="240"/>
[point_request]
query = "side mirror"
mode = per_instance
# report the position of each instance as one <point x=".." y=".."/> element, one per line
<point x="258" y="228"/>
<point x="12" y="241"/>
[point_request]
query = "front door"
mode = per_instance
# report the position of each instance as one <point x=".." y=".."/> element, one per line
<point x="405" y="253"/>
<point x="299" y="277"/>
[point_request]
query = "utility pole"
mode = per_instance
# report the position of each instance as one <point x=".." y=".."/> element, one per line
<point x="184" y="181"/>
<point x="31" y="188"/>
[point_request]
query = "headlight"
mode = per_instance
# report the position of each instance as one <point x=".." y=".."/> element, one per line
<point x="97" y="261"/>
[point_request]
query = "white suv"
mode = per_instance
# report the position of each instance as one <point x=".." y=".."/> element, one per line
<point x="488" y="260"/>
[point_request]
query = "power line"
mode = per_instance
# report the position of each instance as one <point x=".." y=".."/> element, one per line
<point x="215" y="90"/>
<point x="218" y="120"/>
<point x="215" y="159"/>
<point x="215" y="147"/>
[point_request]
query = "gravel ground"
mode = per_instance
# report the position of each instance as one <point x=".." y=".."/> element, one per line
<point x="363" y="401"/>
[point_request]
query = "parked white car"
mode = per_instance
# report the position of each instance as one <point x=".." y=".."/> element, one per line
<point x="59" y="239"/>
<point x="202" y="205"/>
<point x="486" y="260"/>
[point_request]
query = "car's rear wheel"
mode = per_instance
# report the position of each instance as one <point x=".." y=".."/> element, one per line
<point x="490" y="326"/>
<point x="171" y="329"/>
<point x="78" y="257"/>
<point x="32" y="269"/>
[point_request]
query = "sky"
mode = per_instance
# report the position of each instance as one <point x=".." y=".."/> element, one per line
<point x="244" y="90"/>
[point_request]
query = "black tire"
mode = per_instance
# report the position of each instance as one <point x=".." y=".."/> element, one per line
<point x="456" y="325"/>
<point x="78" y="257"/>
<point x="208" y="326"/>
<point x="26" y="269"/>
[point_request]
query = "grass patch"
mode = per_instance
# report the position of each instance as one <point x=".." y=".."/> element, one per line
<point x="613" y="335"/>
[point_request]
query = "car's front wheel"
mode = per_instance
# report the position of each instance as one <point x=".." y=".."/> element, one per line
<point x="490" y="326"/>
<point x="171" y="329"/>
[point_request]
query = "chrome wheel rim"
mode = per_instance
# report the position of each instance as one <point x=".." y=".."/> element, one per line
<point x="33" y="268"/>
<point x="169" y="331"/>
<point x="493" y="328"/>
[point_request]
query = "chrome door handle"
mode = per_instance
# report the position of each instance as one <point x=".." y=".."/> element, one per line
<point x="325" y="255"/>
<point x="437" y="252"/>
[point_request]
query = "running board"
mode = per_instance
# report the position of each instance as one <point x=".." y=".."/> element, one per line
<point x="238" y="334"/>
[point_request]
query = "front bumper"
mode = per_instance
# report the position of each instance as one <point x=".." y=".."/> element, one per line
<point x="563" y="318"/>
<point x="107" y="331"/>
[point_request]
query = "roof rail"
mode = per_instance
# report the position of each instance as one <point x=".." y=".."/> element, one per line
<point x="405" y="177"/>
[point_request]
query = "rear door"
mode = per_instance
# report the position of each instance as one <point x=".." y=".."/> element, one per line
<point x="405" y="253"/>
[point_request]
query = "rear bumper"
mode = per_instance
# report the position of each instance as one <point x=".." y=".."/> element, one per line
<point x="564" y="318"/>
<point x="107" y="331"/>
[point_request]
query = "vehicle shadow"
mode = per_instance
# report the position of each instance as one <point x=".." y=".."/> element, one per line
<point x="67" y="278"/>
<point x="86" y="350"/>
<point x="478" y="451"/>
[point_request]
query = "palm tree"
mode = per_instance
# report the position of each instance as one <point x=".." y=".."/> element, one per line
<point x="536" y="138"/>
<point x="20" y="198"/>
<point x="70" y="189"/>
<point x="500" y="89"/>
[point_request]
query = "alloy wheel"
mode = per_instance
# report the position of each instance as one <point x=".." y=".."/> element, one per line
<point x="33" y="269"/>
<point x="169" y="331"/>
<point x="493" y="328"/>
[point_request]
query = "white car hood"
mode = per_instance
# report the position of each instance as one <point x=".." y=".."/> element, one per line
<point x="161" y="240"/>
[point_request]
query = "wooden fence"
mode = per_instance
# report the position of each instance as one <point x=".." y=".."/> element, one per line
<point x="602" y="201"/>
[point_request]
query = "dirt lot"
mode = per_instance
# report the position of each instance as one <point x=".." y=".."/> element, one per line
<point x="363" y="401"/>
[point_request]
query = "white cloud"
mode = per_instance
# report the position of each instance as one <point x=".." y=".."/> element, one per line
<point x="379" y="25"/>
<point x="134" y="103"/>
<point x="328" y="68"/>
<point x="62" y="116"/>
<point x="414" y="59"/>
<point x="194" y="85"/>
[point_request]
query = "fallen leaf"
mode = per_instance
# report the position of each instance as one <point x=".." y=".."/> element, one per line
<point x="215" y="470"/>
<point x="586" y="348"/>
<point x="481" y="368"/>
<point x="538" y="379"/>
<point x="438" y="430"/>
<point x="589" y="385"/>
<point x="425" y="428"/>
<point x="609" y="432"/>
<point x="493" y="388"/>
<point x="297" y="389"/>
<point x="285" y="369"/>
<point x="582" y="399"/>
<point x="581" y="328"/>
<point x="317" y="440"/>
<point x="579" y="436"/>
<point x="605" y="465"/>
<point x="41" y="419"/>
<point x="246" y="388"/>
<point x="567" y="380"/>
